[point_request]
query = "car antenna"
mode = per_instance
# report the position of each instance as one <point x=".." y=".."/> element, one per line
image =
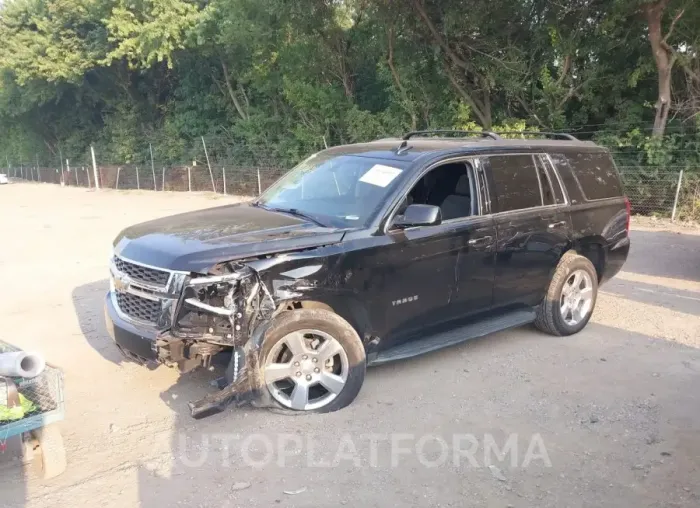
<point x="403" y="147"/>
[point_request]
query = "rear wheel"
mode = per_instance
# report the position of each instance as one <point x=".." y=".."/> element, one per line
<point x="312" y="360"/>
<point x="571" y="297"/>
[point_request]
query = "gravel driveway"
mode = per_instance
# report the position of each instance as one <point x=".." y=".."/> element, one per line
<point x="609" y="417"/>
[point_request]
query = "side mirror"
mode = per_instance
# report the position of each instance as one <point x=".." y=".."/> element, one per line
<point x="418" y="215"/>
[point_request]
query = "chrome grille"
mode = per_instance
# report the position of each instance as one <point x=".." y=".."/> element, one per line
<point x="137" y="307"/>
<point x="142" y="273"/>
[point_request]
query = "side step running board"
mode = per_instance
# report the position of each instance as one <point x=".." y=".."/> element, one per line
<point x="450" y="338"/>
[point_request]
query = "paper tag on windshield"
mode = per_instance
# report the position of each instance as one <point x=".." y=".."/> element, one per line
<point x="380" y="175"/>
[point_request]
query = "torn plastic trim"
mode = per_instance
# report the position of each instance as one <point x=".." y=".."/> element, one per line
<point x="210" y="308"/>
<point x="215" y="279"/>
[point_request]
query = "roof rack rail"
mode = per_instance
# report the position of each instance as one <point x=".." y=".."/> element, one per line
<point x="483" y="134"/>
<point x="553" y="135"/>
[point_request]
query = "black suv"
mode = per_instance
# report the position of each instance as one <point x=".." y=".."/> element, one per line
<point x="368" y="253"/>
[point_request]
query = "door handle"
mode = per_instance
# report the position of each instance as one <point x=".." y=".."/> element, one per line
<point x="557" y="224"/>
<point x="481" y="240"/>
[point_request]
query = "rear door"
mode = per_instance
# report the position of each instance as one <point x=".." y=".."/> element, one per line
<point x="533" y="227"/>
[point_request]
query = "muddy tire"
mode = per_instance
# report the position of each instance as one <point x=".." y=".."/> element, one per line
<point x="571" y="297"/>
<point x="312" y="361"/>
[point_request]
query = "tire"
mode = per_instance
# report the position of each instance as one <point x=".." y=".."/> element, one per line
<point x="51" y="450"/>
<point x="325" y="322"/>
<point x="549" y="316"/>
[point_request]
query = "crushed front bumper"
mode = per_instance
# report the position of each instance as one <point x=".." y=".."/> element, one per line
<point x="241" y="384"/>
<point x="137" y="344"/>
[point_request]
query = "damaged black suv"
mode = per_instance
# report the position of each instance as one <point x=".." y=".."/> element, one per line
<point x="368" y="253"/>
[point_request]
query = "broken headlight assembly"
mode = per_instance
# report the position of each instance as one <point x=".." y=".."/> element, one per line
<point x="222" y="308"/>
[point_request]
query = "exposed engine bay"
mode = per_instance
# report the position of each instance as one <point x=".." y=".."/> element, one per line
<point x="223" y="309"/>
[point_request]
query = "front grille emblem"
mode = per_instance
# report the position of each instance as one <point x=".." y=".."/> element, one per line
<point x="121" y="283"/>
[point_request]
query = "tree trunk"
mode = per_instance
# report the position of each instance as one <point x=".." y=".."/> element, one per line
<point x="664" y="59"/>
<point x="482" y="109"/>
<point x="237" y="104"/>
<point x="397" y="81"/>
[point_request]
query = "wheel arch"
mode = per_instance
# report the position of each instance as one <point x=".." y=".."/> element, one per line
<point x="593" y="248"/>
<point x="347" y="307"/>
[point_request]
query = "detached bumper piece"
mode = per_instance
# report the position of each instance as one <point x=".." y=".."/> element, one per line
<point x="242" y="385"/>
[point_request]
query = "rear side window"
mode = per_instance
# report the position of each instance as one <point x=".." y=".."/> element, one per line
<point x="515" y="181"/>
<point x="596" y="175"/>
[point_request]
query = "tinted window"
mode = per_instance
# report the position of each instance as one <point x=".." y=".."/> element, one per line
<point x="515" y="182"/>
<point x="596" y="175"/>
<point x="448" y="186"/>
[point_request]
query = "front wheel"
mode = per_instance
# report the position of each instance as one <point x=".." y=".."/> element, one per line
<point x="312" y="360"/>
<point x="571" y="297"/>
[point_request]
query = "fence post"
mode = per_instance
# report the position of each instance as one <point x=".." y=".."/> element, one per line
<point x="77" y="183"/>
<point x="138" y="183"/>
<point x="153" y="170"/>
<point x="94" y="168"/>
<point x="116" y="185"/>
<point x="64" y="182"/>
<point x="162" y="187"/>
<point x="189" y="179"/>
<point x="211" y="175"/>
<point x="38" y="175"/>
<point x="223" y="171"/>
<point x="675" y="201"/>
<point x="259" y="183"/>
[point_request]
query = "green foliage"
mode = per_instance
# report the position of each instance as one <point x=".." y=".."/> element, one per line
<point x="150" y="31"/>
<point x="272" y="80"/>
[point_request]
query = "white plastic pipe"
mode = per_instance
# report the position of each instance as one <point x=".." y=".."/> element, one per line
<point x="21" y="364"/>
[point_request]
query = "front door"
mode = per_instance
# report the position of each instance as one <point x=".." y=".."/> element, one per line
<point x="441" y="272"/>
<point x="532" y="225"/>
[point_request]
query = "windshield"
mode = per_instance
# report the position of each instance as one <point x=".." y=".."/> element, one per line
<point x="335" y="190"/>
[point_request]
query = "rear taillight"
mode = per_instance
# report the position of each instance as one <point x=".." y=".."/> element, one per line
<point x="628" y="209"/>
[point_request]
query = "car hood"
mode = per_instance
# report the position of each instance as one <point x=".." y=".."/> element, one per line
<point x="196" y="241"/>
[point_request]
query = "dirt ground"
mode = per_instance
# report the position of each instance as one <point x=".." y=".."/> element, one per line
<point x="617" y="407"/>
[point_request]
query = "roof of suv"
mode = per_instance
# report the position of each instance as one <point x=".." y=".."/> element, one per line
<point x="417" y="147"/>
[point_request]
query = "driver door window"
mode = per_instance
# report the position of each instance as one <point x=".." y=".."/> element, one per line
<point x="449" y="186"/>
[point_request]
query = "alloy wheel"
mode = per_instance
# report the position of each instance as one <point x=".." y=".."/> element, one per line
<point x="576" y="300"/>
<point x="306" y="369"/>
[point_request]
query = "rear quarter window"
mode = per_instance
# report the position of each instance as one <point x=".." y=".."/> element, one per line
<point x="596" y="175"/>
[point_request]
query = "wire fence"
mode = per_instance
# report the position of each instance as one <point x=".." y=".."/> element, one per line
<point x="653" y="190"/>
<point x="249" y="180"/>
<point x="663" y="192"/>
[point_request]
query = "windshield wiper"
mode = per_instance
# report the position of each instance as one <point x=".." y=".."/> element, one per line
<point x="293" y="211"/>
